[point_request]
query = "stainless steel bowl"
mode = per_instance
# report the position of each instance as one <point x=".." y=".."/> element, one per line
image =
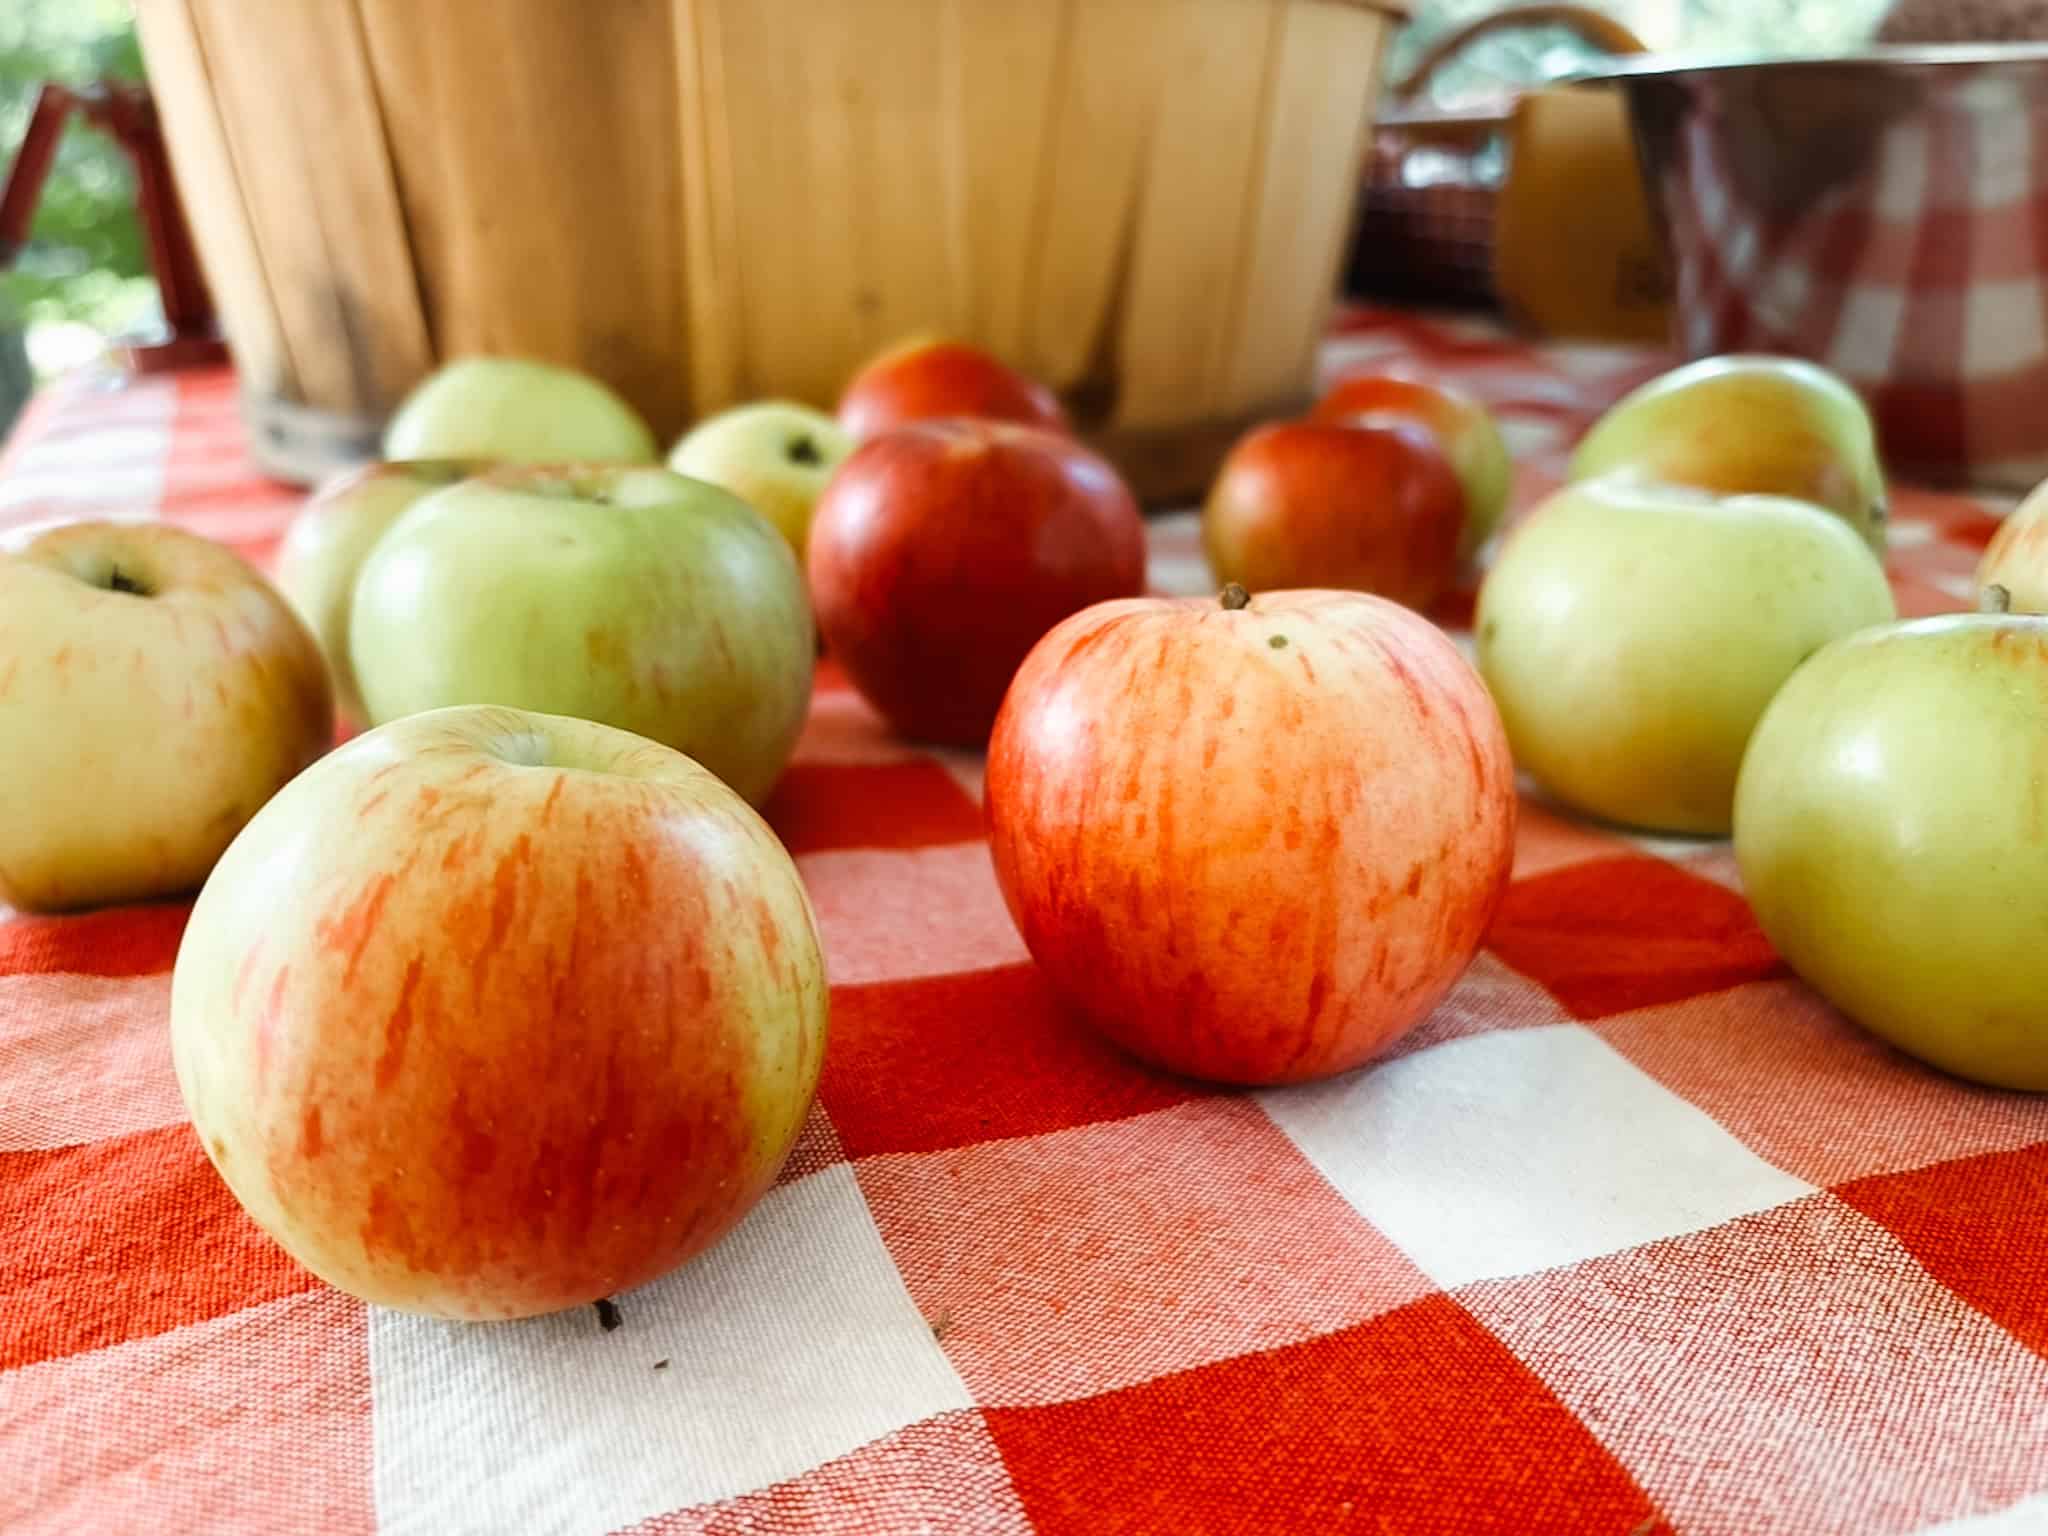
<point x="1885" y="214"/>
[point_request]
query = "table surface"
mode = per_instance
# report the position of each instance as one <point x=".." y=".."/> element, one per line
<point x="1634" y="1234"/>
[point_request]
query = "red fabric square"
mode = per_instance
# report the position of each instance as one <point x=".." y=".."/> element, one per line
<point x="1976" y="1225"/>
<point x="1214" y="1238"/>
<point x="1417" y="1421"/>
<point x="1545" y="840"/>
<point x="1788" y="1372"/>
<point x="889" y="1486"/>
<point x="258" y="1421"/>
<point x="945" y="1060"/>
<point x="1921" y="425"/>
<point x="121" y="1239"/>
<point x="118" y="941"/>
<point x="911" y="804"/>
<point x="1610" y="935"/>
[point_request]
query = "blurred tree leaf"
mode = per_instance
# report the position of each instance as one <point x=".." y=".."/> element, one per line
<point x="85" y="238"/>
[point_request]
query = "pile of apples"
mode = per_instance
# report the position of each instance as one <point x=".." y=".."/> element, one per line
<point x="514" y="1001"/>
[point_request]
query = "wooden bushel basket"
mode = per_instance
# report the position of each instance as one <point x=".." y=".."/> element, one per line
<point x="706" y="201"/>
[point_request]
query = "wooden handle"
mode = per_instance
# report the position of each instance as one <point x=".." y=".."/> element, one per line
<point x="1602" y="31"/>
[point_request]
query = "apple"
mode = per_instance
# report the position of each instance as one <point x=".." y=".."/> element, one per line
<point x="943" y="550"/>
<point x="2016" y="559"/>
<point x="931" y="377"/>
<point x="1463" y="428"/>
<point x="773" y="455"/>
<point x="1322" y="504"/>
<point x="155" y="691"/>
<point x="1253" y="840"/>
<point x="493" y="1013"/>
<point x="517" y="410"/>
<point x="324" y="549"/>
<point x="1891" y="825"/>
<point x="636" y="597"/>
<point x="1633" y="634"/>
<point x="1744" y="424"/>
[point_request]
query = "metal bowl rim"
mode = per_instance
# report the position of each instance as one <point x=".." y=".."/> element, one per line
<point x="1879" y="59"/>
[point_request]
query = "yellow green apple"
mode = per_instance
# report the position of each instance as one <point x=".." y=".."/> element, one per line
<point x="491" y="1013"/>
<point x="1742" y="425"/>
<point x="1891" y="825"/>
<point x="324" y="549"/>
<point x="155" y="691"/>
<point x="774" y="455"/>
<point x="1633" y="634"/>
<point x="519" y="411"/>
<point x="633" y="596"/>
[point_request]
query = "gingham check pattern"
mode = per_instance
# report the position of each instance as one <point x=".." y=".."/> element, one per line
<point x="1916" y="273"/>
<point x="1634" y="1235"/>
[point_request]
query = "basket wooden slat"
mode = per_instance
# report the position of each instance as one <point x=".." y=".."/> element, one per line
<point x="212" y="197"/>
<point x="536" y="153"/>
<point x="301" y="113"/>
<point x="704" y="201"/>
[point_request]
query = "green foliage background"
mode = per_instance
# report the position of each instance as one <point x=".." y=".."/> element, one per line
<point x="85" y="260"/>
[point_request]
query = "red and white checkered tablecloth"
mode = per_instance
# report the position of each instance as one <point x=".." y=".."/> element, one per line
<point x="1634" y="1235"/>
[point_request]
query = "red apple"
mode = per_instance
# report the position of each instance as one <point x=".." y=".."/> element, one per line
<point x="1251" y="841"/>
<point x="929" y="378"/>
<point x="1318" y="504"/>
<point x="1463" y="428"/>
<point x="942" y="551"/>
<point x="492" y="1013"/>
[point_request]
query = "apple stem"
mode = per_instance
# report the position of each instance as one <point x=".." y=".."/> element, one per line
<point x="1994" y="599"/>
<point x="119" y="580"/>
<point x="1234" y="597"/>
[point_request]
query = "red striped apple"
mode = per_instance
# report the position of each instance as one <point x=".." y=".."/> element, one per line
<point x="942" y="551"/>
<point x="1375" y="507"/>
<point x="155" y="691"/>
<point x="1891" y="824"/>
<point x="492" y="1013"/>
<point x="1251" y="840"/>
<point x="927" y="379"/>
<point x="1463" y="428"/>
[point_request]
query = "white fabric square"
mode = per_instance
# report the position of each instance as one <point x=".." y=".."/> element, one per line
<point x="792" y="1342"/>
<point x="1868" y="332"/>
<point x="2002" y="118"/>
<point x="2029" y="1517"/>
<point x="1783" y="291"/>
<point x="1902" y="174"/>
<point x="1520" y="1150"/>
<point x="2002" y="328"/>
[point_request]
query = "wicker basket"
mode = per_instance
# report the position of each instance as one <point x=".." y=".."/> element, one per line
<point x="701" y="201"/>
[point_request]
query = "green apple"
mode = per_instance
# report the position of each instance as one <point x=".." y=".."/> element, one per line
<point x="2016" y="559"/>
<point x="1748" y="425"/>
<point x="1633" y="634"/>
<point x="774" y="455"/>
<point x="155" y="691"/>
<point x="635" y="597"/>
<point x="328" y="541"/>
<point x="518" y="411"/>
<point x="1891" y="825"/>
<point x="491" y="1013"/>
